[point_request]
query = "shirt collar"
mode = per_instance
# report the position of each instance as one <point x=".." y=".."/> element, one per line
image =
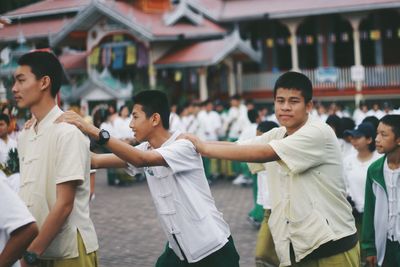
<point x="49" y="119"/>
<point x="171" y="139"/>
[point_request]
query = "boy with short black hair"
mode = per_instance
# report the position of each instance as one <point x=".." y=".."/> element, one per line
<point x="311" y="221"/>
<point x="196" y="231"/>
<point x="381" y="221"/>
<point x="54" y="170"/>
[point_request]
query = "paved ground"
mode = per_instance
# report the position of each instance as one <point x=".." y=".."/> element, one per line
<point x="129" y="232"/>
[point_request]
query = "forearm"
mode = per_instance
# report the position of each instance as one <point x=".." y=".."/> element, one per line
<point x="246" y="153"/>
<point x="132" y="155"/>
<point x="51" y="227"/>
<point x="17" y="244"/>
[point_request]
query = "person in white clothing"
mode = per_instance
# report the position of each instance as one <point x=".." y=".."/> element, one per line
<point x="196" y="231"/>
<point x="356" y="167"/>
<point x="360" y="113"/>
<point x="265" y="249"/>
<point x="17" y="227"/>
<point x="121" y="125"/>
<point x="209" y="124"/>
<point x="175" y="120"/>
<point x="376" y="111"/>
<point x="6" y="143"/>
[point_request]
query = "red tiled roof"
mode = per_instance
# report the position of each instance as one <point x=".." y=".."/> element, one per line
<point x="197" y="54"/>
<point x="230" y="10"/>
<point x="155" y="24"/>
<point x="33" y="29"/>
<point x="48" y="6"/>
<point x="73" y="61"/>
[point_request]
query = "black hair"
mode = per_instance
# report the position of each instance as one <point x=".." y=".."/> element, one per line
<point x="394" y="122"/>
<point x="296" y="81"/>
<point x="372" y="145"/>
<point x="121" y="108"/>
<point x="252" y="114"/>
<point x="154" y="101"/>
<point x="236" y="97"/>
<point x="373" y="120"/>
<point x="265" y="126"/>
<point x="5" y="117"/>
<point x="44" y="64"/>
<point x="347" y="124"/>
<point x="334" y="122"/>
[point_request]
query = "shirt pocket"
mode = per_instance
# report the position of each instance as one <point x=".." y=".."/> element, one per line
<point x="310" y="232"/>
<point x="197" y="235"/>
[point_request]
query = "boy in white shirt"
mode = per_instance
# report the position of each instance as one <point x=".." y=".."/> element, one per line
<point x="17" y="227"/>
<point x="196" y="231"/>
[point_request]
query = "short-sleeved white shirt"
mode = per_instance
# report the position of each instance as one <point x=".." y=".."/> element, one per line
<point x="355" y="173"/>
<point x="13" y="214"/>
<point x="309" y="206"/>
<point x="184" y="202"/>
<point x="57" y="153"/>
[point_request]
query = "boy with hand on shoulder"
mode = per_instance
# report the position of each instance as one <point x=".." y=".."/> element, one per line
<point x="54" y="170"/>
<point x="196" y="231"/>
<point x="311" y="221"/>
<point x="381" y="220"/>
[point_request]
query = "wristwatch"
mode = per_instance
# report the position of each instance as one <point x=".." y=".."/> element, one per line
<point x="104" y="136"/>
<point x="31" y="258"/>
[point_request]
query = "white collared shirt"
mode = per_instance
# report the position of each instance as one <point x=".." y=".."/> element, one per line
<point x="57" y="153"/>
<point x="184" y="202"/>
<point x="392" y="181"/>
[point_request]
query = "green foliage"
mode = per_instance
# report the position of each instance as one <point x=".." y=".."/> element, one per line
<point x="7" y="5"/>
<point x="12" y="164"/>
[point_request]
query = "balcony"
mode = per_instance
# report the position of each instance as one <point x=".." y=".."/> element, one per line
<point x="378" y="80"/>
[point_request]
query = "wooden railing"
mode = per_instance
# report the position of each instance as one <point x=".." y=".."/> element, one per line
<point x="335" y="78"/>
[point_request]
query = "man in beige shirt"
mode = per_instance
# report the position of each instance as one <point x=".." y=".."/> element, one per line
<point x="54" y="168"/>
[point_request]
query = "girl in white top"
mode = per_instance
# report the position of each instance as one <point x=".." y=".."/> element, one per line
<point x="356" y="165"/>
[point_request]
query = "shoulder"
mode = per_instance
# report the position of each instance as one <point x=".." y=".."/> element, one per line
<point x="317" y="129"/>
<point x="377" y="164"/>
<point x="68" y="131"/>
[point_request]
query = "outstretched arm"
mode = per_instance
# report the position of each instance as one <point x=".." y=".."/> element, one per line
<point x="17" y="244"/>
<point x="122" y="150"/>
<point x="233" y="151"/>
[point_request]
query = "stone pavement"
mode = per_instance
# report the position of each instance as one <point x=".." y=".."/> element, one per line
<point x="130" y="235"/>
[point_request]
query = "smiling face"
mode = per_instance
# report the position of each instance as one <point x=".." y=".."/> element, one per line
<point x="27" y="89"/>
<point x="360" y="143"/>
<point x="291" y="109"/>
<point x="140" y="124"/>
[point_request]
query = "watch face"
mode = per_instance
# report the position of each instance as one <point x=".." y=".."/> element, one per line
<point x="106" y="135"/>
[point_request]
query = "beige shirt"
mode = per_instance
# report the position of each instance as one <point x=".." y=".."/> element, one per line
<point x="55" y="154"/>
<point x="307" y="190"/>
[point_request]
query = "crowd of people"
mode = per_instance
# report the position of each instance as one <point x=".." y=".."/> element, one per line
<point x="324" y="181"/>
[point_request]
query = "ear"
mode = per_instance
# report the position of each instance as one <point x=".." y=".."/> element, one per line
<point x="309" y="106"/>
<point x="156" y="119"/>
<point x="45" y="83"/>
